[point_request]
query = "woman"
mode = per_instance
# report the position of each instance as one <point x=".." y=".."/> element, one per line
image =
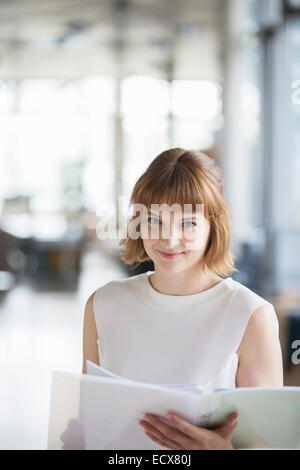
<point x="187" y="321"/>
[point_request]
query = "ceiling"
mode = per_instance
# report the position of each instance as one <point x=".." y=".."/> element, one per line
<point x="76" y="38"/>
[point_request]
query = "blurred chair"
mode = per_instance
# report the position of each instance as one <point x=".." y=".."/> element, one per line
<point x="7" y="271"/>
<point x="293" y="336"/>
<point x="44" y="249"/>
<point x="287" y="308"/>
<point x="250" y="266"/>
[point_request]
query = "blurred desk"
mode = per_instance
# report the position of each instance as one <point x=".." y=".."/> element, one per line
<point x="287" y="307"/>
<point x="52" y="247"/>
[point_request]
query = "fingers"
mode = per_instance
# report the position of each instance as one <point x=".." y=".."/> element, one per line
<point x="166" y="431"/>
<point x="231" y="421"/>
<point x="159" y="435"/>
<point x="186" y="436"/>
<point x="229" y="426"/>
<point x="194" y="432"/>
<point x="176" y="436"/>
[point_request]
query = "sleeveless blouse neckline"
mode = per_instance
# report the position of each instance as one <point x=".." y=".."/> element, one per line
<point x="177" y="302"/>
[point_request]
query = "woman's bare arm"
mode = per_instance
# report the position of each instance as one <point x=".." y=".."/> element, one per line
<point x="260" y="356"/>
<point x="90" y="335"/>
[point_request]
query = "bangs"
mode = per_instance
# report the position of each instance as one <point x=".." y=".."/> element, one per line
<point x="178" y="186"/>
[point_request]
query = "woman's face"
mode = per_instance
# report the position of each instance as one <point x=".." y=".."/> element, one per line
<point x="175" y="240"/>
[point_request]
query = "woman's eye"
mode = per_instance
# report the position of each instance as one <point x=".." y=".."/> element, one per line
<point x="190" y="224"/>
<point x="152" y="220"/>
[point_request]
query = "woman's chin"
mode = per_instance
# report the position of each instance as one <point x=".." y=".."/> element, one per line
<point x="171" y="265"/>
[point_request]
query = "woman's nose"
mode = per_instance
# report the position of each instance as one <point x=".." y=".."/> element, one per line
<point x="172" y="237"/>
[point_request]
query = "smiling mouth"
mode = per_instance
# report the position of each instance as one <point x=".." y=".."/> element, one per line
<point x="171" y="254"/>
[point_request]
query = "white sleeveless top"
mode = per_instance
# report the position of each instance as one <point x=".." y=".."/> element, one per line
<point x="151" y="337"/>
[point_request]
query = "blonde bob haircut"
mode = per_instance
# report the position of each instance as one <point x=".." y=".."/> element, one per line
<point x="185" y="177"/>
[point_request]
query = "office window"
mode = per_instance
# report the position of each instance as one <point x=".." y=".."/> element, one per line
<point x="292" y="158"/>
<point x="251" y="119"/>
<point x="286" y="162"/>
<point x="158" y="115"/>
<point x="251" y="16"/>
<point x="145" y="104"/>
<point x="56" y="142"/>
<point x="196" y="107"/>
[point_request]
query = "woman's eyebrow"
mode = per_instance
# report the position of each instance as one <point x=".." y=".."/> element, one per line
<point x="194" y="216"/>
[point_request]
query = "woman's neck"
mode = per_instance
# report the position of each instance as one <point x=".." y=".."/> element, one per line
<point x="182" y="283"/>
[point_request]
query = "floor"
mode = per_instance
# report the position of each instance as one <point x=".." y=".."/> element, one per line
<point x="41" y="331"/>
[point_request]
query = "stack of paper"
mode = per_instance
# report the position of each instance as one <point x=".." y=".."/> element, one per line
<point x="100" y="410"/>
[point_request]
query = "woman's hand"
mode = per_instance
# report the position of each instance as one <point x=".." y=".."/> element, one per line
<point x="186" y="436"/>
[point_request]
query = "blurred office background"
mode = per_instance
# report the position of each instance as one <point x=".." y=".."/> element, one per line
<point x="90" y="93"/>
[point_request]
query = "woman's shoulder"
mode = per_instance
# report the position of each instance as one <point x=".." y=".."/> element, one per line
<point x="249" y="302"/>
<point x="243" y="293"/>
<point x="118" y="286"/>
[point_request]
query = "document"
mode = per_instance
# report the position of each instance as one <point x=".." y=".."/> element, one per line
<point x="100" y="410"/>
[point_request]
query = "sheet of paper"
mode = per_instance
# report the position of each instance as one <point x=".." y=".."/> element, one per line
<point x="65" y="428"/>
<point x="92" y="412"/>
<point x="269" y="417"/>
<point x="112" y="410"/>
<point x="94" y="369"/>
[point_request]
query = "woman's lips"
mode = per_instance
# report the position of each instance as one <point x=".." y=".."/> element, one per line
<point x="170" y="255"/>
